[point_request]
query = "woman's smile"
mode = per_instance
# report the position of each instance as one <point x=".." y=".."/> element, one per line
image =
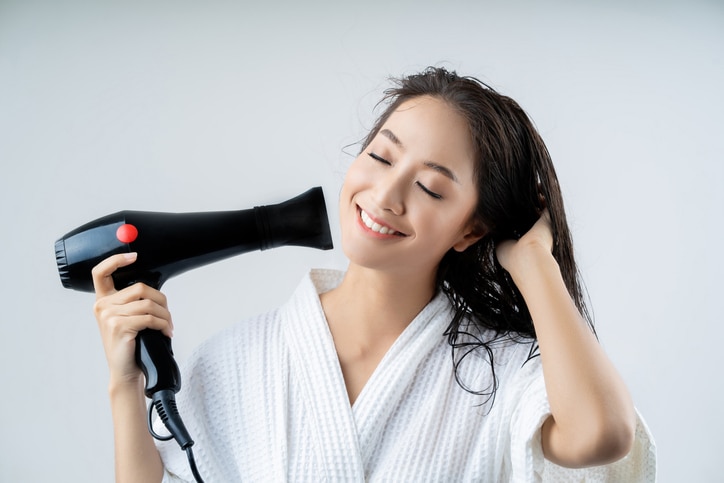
<point x="377" y="227"/>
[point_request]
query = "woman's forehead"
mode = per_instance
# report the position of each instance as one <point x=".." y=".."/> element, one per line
<point x="429" y="127"/>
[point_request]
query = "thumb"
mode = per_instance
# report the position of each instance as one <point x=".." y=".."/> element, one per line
<point x="103" y="272"/>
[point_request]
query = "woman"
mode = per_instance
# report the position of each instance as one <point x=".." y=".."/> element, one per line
<point x="457" y="241"/>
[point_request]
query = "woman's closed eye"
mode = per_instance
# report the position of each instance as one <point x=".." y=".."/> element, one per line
<point x="424" y="188"/>
<point x="379" y="158"/>
<point x="428" y="191"/>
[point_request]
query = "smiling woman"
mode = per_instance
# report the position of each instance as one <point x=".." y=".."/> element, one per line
<point x="453" y="223"/>
<point x="407" y="179"/>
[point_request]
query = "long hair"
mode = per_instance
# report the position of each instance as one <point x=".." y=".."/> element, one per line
<point x="515" y="181"/>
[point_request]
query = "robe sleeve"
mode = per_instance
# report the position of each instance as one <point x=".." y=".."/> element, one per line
<point x="202" y="404"/>
<point x="169" y="478"/>
<point x="529" y="464"/>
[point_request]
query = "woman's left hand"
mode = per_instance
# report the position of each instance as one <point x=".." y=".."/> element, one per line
<point x="514" y="255"/>
<point x="592" y="417"/>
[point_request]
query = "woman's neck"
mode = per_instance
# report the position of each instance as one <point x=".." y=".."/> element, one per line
<point x="374" y="303"/>
<point x="366" y="313"/>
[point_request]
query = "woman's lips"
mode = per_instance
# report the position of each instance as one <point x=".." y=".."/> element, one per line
<point x="377" y="227"/>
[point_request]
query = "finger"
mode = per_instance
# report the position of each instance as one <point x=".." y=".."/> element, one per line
<point x="134" y="316"/>
<point x="141" y="292"/>
<point x="133" y="324"/>
<point x="143" y="299"/>
<point x="102" y="273"/>
<point x="143" y="307"/>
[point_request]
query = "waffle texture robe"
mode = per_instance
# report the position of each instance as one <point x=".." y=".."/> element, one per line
<point x="265" y="401"/>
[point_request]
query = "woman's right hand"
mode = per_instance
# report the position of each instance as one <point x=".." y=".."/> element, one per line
<point x="121" y="314"/>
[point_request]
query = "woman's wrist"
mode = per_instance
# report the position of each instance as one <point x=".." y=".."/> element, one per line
<point x="125" y="385"/>
<point x="530" y="262"/>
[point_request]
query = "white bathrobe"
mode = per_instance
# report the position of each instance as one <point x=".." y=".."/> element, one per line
<point x="265" y="401"/>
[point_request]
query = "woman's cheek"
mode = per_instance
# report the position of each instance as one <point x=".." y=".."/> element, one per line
<point x="357" y="177"/>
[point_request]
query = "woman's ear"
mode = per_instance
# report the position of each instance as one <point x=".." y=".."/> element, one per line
<point x="476" y="231"/>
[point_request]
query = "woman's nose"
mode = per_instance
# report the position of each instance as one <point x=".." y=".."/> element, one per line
<point x="390" y="192"/>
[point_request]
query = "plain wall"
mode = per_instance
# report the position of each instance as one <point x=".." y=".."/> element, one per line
<point x="196" y="106"/>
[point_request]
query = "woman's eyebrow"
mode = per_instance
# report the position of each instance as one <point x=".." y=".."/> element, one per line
<point x="430" y="164"/>
<point x="391" y="136"/>
<point x="442" y="170"/>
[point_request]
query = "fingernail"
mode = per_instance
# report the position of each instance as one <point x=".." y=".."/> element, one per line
<point x="130" y="256"/>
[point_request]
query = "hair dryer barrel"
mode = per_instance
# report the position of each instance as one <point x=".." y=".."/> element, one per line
<point x="171" y="243"/>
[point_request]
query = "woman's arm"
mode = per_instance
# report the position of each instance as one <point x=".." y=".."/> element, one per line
<point x="136" y="456"/>
<point x="592" y="418"/>
<point x="121" y="315"/>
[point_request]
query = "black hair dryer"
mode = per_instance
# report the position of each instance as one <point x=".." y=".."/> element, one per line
<point x="171" y="243"/>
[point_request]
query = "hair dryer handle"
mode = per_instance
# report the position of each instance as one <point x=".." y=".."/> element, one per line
<point x="155" y="358"/>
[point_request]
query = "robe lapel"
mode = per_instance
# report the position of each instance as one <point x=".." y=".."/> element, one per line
<point x="314" y="366"/>
<point x="392" y="378"/>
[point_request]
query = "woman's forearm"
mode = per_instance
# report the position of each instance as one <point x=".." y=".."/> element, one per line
<point x="136" y="457"/>
<point x="593" y="418"/>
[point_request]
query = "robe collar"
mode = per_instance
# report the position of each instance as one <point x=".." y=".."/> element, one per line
<point x="346" y="436"/>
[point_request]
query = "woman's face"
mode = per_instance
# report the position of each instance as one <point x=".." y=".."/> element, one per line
<point x="409" y="196"/>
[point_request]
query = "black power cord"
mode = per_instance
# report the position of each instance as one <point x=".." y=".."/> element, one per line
<point x="164" y="402"/>
<point x="192" y="464"/>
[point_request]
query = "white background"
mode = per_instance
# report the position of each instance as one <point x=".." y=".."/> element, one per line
<point x="196" y="106"/>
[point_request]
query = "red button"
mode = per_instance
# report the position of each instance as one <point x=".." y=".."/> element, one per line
<point x="127" y="233"/>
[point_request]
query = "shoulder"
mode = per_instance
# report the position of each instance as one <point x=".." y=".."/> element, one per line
<point x="248" y="340"/>
<point x="520" y="374"/>
<point x="240" y="343"/>
<point x="514" y="360"/>
<point x="503" y="368"/>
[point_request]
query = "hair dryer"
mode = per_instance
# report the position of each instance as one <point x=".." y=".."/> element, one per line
<point x="171" y="243"/>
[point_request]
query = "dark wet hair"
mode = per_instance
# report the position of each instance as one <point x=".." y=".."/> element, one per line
<point x="515" y="181"/>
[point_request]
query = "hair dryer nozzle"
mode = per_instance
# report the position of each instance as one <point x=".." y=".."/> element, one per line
<point x="300" y="221"/>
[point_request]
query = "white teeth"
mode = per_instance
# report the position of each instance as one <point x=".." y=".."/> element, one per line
<point x="376" y="227"/>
